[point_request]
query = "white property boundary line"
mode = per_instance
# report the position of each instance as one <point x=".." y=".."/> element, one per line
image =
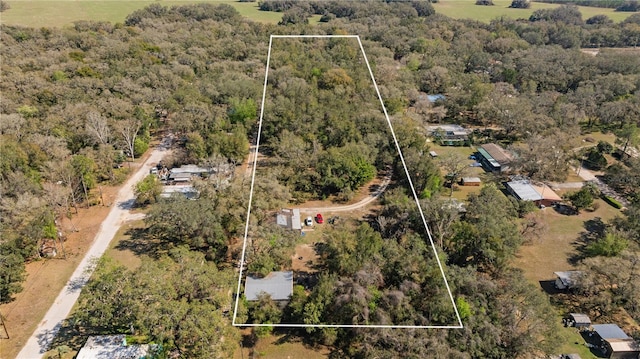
<point x="415" y="196"/>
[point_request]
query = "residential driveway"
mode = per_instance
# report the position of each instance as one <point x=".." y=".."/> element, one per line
<point x="48" y="328"/>
<point x="588" y="176"/>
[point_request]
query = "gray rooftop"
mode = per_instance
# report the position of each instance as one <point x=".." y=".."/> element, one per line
<point x="524" y="191"/>
<point x="289" y="218"/>
<point x="192" y="169"/>
<point x="111" y="347"/>
<point x="569" y="278"/>
<point x="609" y="331"/>
<point x="279" y="285"/>
<point x="580" y="318"/>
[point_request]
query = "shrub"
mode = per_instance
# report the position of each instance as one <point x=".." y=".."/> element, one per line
<point x="484" y="2"/>
<point x="612" y="201"/>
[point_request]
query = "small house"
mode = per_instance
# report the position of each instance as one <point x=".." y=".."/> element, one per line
<point x="471" y="181"/>
<point x="289" y="219"/>
<point x="494" y="158"/>
<point x="278" y="285"/>
<point x="567" y="279"/>
<point x="113" y="346"/>
<point x="449" y="135"/>
<point x="523" y="190"/>
<point x="615" y="342"/>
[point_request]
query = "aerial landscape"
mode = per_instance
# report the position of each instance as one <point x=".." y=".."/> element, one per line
<point x="320" y="179"/>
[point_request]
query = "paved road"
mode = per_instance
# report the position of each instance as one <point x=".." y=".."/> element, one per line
<point x="46" y="331"/>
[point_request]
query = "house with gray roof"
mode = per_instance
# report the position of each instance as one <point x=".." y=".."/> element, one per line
<point x="278" y="285"/>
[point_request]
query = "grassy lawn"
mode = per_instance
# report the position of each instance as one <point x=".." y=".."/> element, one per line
<point x="43" y="13"/>
<point x="459" y="192"/>
<point x="467" y="9"/>
<point x="50" y="13"/>
<point x="123" y="255"/>
<point x="573" y="343"/>
<point x="553" y="250"/>
<point x="281" y="346"/>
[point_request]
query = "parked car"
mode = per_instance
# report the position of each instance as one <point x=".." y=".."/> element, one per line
<point x="308" y="222"/>
<point x="319" y="218"/>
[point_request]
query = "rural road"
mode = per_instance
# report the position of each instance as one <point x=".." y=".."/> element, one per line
<point x="350" y="207"/>
<point x="46" y="331"/>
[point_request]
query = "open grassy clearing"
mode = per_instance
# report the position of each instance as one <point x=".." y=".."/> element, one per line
<point x="280" y="346"/>
<point x="124" y="255"/>
<point x="43" y="13"/>
<point x="553" y="250"/>
<point x="467" y="9"/>
<point x="460" y="192"/>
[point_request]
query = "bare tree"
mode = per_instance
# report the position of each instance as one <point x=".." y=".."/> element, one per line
<point x="456" y="166"/>
<point x="97" y="126"/>
<point x="128" y="130"/>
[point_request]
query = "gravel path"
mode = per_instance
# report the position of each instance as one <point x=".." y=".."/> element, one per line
<point x="588" y="176"/>
<point x="46" y="331"/>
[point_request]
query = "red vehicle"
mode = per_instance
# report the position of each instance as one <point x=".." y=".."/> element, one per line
<point x="319" y="218"/>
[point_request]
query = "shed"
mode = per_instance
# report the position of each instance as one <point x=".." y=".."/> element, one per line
<point x="112" y="346"/>
<point x="567" y="279"/>
<point x="579" y="320"/>
<point x="471" y="181"/>
<point x="433" y="154"/>
<point x="615" y="342"/>
<point x="279" y="285"/>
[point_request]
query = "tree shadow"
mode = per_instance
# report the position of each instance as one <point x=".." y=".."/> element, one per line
<point x="565" y="209"/>
<point x="46" y="338"/>
<point x="128" y="204"/>
<point x="76" y="284"/>
<point x="549" y="286"/>
<point x="594" y="228"/>
<point x="141" y="242"/>
<point x="594" y="343"/>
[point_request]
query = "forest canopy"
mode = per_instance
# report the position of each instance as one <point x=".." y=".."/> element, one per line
<point x="79" y="102"/>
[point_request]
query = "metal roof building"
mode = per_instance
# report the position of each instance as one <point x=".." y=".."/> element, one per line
<point x="279" y="285"/>
<point x="616" y="343"/>
<point x="524" y="191"/>
<point x="289" y="218"/>
<point x="567" y="279"/>
<point x="610" y="331"/>
<point x="112" y="347"/>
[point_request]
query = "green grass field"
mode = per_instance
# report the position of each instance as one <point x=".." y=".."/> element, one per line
<point x="467" y="9"/>
<point x="60" y="13"/>
<point x="49" y="13"/>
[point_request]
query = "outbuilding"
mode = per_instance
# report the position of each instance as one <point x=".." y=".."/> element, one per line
<point x="578" y="320"/>
<point x="615" y="342"/>
<point x="567" y="279"/>
<point x="471" y="181"/>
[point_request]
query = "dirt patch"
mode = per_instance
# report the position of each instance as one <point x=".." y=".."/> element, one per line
<point x="305" y="259"/>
